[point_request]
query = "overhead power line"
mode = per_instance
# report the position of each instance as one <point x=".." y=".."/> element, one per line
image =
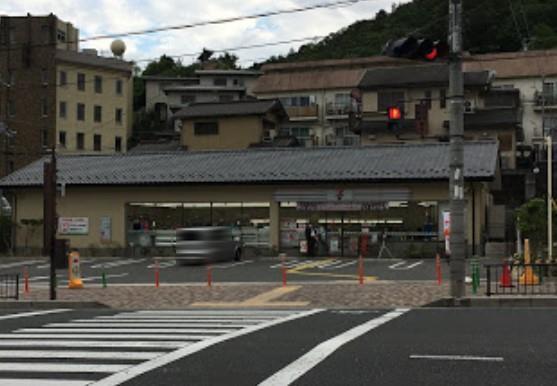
<point x="226" y="20"/>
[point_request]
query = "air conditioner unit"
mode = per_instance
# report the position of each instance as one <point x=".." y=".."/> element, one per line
<point x="468" y="106"/>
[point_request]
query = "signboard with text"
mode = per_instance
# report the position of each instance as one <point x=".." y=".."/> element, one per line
<point x="341" y="206"/>
<point x="73" y="225"/>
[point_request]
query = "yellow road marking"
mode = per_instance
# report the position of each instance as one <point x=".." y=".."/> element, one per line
<point x="309" y="265"/>
<point x="261" y="300"/>
<point x="298" y="270"/>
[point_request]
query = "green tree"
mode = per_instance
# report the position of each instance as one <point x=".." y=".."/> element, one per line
<point x="531" y="219"/>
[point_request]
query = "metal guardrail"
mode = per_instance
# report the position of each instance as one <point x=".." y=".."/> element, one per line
<point x="9" y="286"/>
<point x="521" y="279"/>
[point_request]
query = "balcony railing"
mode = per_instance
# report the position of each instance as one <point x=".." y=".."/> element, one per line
<point x="302" y="111"/>
<point x="339" y="108"/>
<point x="545" y="99"/>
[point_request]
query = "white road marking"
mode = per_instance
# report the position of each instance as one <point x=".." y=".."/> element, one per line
<point x="401" y="265"/>
<point x="109" y="276"/>
<point x="69" y="354"/>
<point x="178" y="319"/>
<point x="290" y="264"/>
<point x="42" y="382"/>
<point x="107" y="336"/>
<point x="259" y="313"/>
<point x="118" y="263"/>
<point x="302" y="365"/>
<point x="118" y="378"/>
<point x="458" y="358"/>
<point x="224" y="266"/>
<point x="152" y="324"/>
<point x="35" y="313"/>
<point x="19" y="264"/>
<point x="61" y="367"/>
<point x="343" y="265"/>
<point x="163" y="264"/>
<point x="90" y="343"/>
<point x="163" y="330"/>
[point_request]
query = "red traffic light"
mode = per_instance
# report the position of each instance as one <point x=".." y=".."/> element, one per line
<point x="432" y="54"/>
<point x="394" y="113"/>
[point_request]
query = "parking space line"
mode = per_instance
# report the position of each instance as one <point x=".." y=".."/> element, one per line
<point x="312" y="358"/>
<point x="401" y="265"/>
<point x="118" y="263"/>
<point x="458" y="358"/>
<point x="230" y="265"/>
<point x="19" y="264"/>
<point x="342" y="265"/>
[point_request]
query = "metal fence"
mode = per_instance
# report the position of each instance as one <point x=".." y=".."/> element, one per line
<point x="521" y="279"/>
<point x="9" y="286"/>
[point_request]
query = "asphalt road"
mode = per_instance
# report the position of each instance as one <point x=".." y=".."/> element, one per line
<point x="312" y="347"/>
<point x="262" y="269"/>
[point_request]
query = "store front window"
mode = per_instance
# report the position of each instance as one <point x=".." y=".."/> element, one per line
<point x="338" y="226"/>
<point x="154" y="224"/>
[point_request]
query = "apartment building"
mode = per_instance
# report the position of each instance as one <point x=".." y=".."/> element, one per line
<point x="49" y="92"/>
<point x="319" y="97"/>
<point x="167" y="95"/>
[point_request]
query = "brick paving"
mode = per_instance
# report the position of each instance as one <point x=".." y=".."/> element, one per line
<point x="327" y="295"/>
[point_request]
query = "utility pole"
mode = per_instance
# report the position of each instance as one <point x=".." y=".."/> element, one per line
<point x="456" y="178"/>
<point x="49" y="217"/>
<point x="549" y="198"/>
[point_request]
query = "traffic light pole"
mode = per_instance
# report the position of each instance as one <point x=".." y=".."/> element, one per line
<point x="457" y="243"/>
<point x="49" y="218"/>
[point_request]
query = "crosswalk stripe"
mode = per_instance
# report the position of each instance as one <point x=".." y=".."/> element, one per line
<point x="35" y="313"/>
<point x="183" y="317"/>
<point x="61" y="367"/>
<point x="107" y="336"/>
<point x="210" y="312"/>
<point x="68" y="354"/>
<point x="42" y="382"/>
<point x="152" y="324"/>
<point x="92" y="344"/>
<point x="163" y="330"/>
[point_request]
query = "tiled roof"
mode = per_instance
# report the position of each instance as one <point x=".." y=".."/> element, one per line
<point x="426" y="161"/>
<point x="410" y="76"/>
<point x="93" y="60"/>
<point x="246" y="107"/>
<point x="515" y="64"/>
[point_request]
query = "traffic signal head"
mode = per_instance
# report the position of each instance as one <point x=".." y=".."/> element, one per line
<point x="394" y="113"/>
<point x="412" y="48"/>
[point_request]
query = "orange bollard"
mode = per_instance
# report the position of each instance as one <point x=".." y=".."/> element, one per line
<point x="438" y="269"/>
<point x="361" y="270"/>
<point x="209" y="275"/>
<point x="157" y="282"/>
<point x="26" y="279"/>
<point x="506" y="280"/>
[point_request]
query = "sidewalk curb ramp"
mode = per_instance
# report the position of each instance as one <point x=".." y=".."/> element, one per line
<point x="493" y="302"/>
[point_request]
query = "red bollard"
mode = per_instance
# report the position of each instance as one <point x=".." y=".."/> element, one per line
<point x="438" y="269"/>
<point x="157" y="274"/>
<point x="209" y="275"/>
<point x="26" y="279"/>
<point x="361" y="270"/>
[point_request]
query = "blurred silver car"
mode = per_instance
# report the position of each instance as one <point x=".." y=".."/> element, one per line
<point x="207" y="244"/>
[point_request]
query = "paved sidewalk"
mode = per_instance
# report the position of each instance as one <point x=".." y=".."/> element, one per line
<point x="330" y="295"/>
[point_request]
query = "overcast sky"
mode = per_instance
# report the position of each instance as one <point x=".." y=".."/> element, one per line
<point x="99" y="17"/>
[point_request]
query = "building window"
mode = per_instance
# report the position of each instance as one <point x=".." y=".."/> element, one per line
<point x="118" y="116"/>
<point x="98" y="84"/>
<point x="62" y="138"/>
<point x="185" y="99"/>
<point x="11" y="167"/>
<point x="206" y="128"/>
<point x="219" y="81"/>
<point x="386" y="99"/>
<point x="80" y="112"/>
<point x="44" y="138"/>
<point x="63" y="78"/>
<point x="62" y="112"/>
<point x="97" y="142"/>
<point x="97" y="114"/>
<point x="44" y="107"/>
<point x="427" y="99"/>
<point x="61" y="36"/>
<point x="11" y="108"/>
<point x="80" y="141"/>
<point x="44" y="76"/>
<point x="119" y="87"/>
<point x="305" y="100"/>
<point x="11" y="78"/>
<point x="118" y="144"/>
<point x="80" y="81"/>
<point x="442" y="98"/>
<point x="226" y="98"/>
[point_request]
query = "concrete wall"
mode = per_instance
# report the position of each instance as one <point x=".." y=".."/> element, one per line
<point x="234" y="133"/>
<point x="97" y="202"/>
<point x="109" y="101"/>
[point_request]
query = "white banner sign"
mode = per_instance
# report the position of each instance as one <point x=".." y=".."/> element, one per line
<point x="73" y="225"/>
<point x="447" y="231"/>
<point x="106" y="229"/>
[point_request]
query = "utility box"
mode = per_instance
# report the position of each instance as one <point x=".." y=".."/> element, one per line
<point x="61" y="250"/>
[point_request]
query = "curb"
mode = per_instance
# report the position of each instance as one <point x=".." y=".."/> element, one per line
<point x="23" y="304"/>
<point x="508" y="302"/>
